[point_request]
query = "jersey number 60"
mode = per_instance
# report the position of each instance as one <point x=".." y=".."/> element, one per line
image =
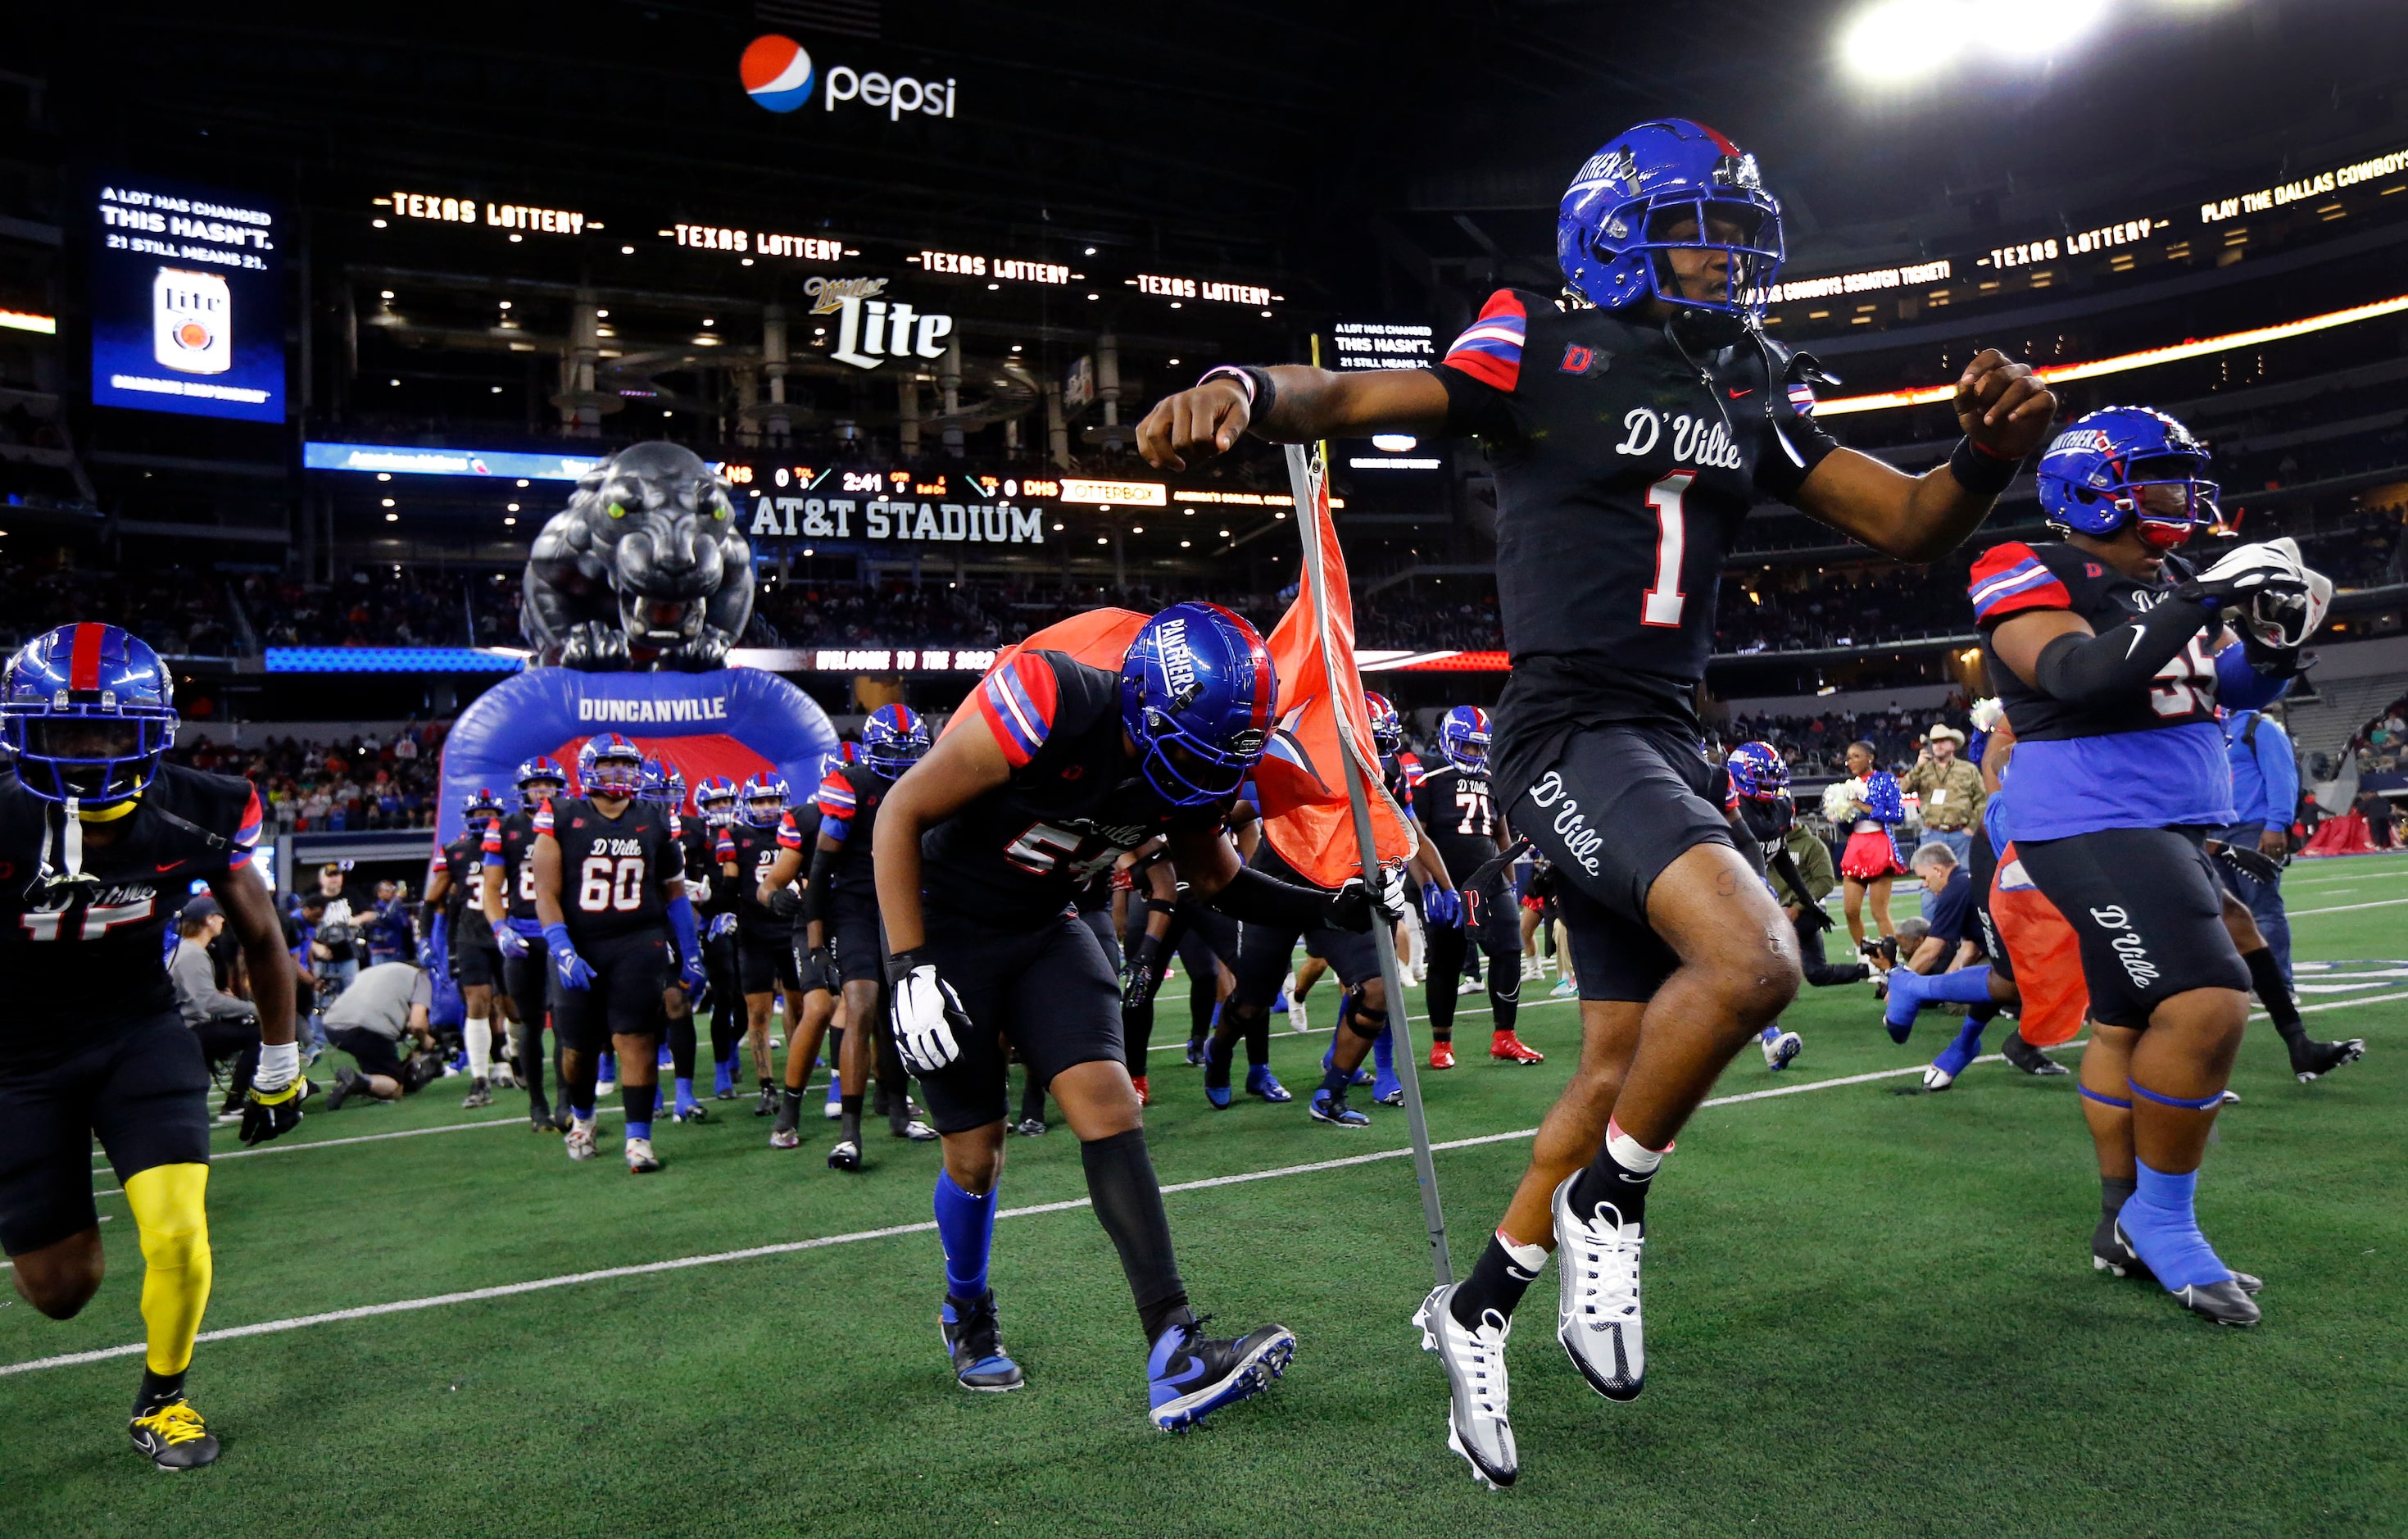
<point x="604" y="884"/>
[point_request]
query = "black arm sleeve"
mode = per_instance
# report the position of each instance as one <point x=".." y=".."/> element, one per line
<point x="822" y="884"/>
<point x="1268" y="901"/>
<point x="2101" y="671"/>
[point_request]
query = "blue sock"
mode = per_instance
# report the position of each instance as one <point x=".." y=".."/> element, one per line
<point x="611" y="1066"/>
<point x="1384" y="1051"/>
<point x="965" y="1225"/>
<point x="1334" y="1080"/>
<point x="685" y="1090"/>
<point x="836" y="1089"/>
<point x="1954" y="1057"/>
<point x="1279" y="1006"/>
<point x="2159" y="1221"/>
<point x="638" y="1099"/>
<point x="723" y="1075"/>
<point x="1905" y="999"/>
<point x="1770" y="1033"/>
<point x="583" y="1114"/>
<point x="1966" y="986"/>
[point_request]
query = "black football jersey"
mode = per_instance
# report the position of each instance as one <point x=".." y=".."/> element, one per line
<point x="511" y="841"/>
<point x="1625" y="465"/>
<point x="752" y="850"/>
<point x="86" y="950"/>
<point x="1461" y="817"/>
<point x="463" y="906"/>
<point x="611" y="870"/>
<point x="698" y="852"/>
<point x="2013" y="577"/>
<point x="845" y="806"/>
<point x="1016" y="857"/>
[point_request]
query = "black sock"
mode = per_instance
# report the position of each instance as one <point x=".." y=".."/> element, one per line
<point x="1258" y="1040"/>
<point x="1497" y="1282"/>
<point x="849" y="1119"/>
<point x="1137" y="1034"/>
<point x="1606" y="1181"/>
<point x="157" y="1389"/>
<point x="794" y="1102"/>
<point x="2266" y="978"/>
<point x="766" y="1082"/>
<point x="1032" y="1100"/>
<point x="1129" y="1203"/>
<point x="2113" y="1192"/>
<point x="1504" y="992"/>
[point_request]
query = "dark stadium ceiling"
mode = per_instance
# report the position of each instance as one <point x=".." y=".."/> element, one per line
<point x="1295" y="138"/>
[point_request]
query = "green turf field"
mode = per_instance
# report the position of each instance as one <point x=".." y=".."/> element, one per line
<point x="1869" y="1314"/>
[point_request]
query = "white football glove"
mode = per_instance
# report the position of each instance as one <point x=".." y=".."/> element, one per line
<point x="2281" y="618"/>
<point x="1988" y="714"/>
<point x="929" y="1021"/>
<point x="2264" y="587"/>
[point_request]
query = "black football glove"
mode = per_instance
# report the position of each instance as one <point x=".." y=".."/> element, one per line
<point x="2256" y="865"/>
<point x="786" y="902"/>
<point x="822" y="967"/>
<point x="1141" y="974"/>
<point x="266" y="1115"/>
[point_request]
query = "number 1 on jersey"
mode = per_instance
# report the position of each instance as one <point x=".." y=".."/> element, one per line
<point x="1662" y="603"/>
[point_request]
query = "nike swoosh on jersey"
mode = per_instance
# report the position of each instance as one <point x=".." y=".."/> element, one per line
<point x="2135" y="643"/>
<point x="170" y="866"/>
<point x="1736" y="394"/>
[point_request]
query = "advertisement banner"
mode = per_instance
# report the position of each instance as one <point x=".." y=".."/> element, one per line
<point x="187" y="300"/>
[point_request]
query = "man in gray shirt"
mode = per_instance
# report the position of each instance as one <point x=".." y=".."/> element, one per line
<point x="226" y="1024"/>
<point x="382" y="1006"/>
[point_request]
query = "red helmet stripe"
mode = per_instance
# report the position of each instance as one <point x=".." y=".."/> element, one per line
<point x="83" y="663"/>
<point x="1726" y="146"/>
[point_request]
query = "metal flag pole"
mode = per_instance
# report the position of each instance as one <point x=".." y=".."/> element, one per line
<point x="1306" y="470"/>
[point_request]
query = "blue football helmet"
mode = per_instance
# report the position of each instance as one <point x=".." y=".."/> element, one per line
<point x="764" y="800"/>
<point x="481" y="805"/>
<point x="2125" y="463"/>
<point x="1463" y="738"/>
<point x="1387" y="727"/>
<point x="1757" y="772"/>
<point x="1196" y="692"/>
<point x="715" y="800"/>
<point x="539" y="778"/>
<point x="611" y="765"/>
<point x="1615" y="222"/>
<point x="87" y="710"/>
<point x="893" y="738"/>
<point x="654" y="785"/>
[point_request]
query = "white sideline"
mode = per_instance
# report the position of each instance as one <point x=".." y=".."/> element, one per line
<point x="504" y="1291"/>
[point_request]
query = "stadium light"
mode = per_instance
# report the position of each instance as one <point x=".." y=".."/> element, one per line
<point x="1905" y="38"/>
<point x="2031" y="28"/>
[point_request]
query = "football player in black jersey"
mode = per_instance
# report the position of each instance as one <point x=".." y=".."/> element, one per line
<point x="843" y="930"/>
<point x="1633" y="418"/>
<point x="507" y="897"/>
<point x="2111" y="656"/>
<point x="1161" y="921"/>
<point x="99" y="842"/>
<point x="608" y="876"/>
<point x="771" y="876"/>
<point x="1051" y="770"/>
<point x="714" y="805"/>
<point x="1458" y="817"/>
<point x="698" y="855"/>
<point x="464" y="945"/>
<point x="765" y="951"/>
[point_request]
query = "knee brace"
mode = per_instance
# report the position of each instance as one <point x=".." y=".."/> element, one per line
<point x="1359" y="1020"/>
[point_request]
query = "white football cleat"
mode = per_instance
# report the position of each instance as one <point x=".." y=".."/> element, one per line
<point x="1297" y="1020"/>
<point x="1597" y="1318"/>
<point x="640" y="1159"/>
<point x="580" y="1142"/>
<point x="1781" y="1048"/>
<point x="1937" y="1078"/>
<point x="1474" y="1360"/>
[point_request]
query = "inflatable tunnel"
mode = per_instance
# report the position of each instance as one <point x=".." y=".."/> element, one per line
<point x="736" y="722"/>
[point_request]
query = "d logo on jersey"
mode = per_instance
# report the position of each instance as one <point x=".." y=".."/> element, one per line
<point x="1583" y="360"/>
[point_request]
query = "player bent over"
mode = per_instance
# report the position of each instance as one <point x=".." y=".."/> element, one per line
<point x="608" y="874"/>
<point x="2111" y="654"/>
<point x="1633" y="421"/>
<point x="1051" y="770"/>
<point x="99" y="842"/>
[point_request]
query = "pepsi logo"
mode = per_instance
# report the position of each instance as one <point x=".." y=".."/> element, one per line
<point x="777" y="72"/>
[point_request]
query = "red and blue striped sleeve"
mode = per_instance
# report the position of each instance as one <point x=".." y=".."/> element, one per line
<point x="836" y="802"/>
<point x="543" y="817"/>
<point x="1017" y="702"/>
<point x="2010" y="579"/>
<point x="491" y="843"/>
<point x="789" y="837"/>
<point x="724" y="850"/>
<point x="1490" y="348"/>
<point x="245" y="834"/>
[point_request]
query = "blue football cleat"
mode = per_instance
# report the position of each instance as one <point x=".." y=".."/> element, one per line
<point x="974" y="1340"/>
<point x="1905" y="999"/>
<point x="1216" y="1074"/>
<point x="1387" y="1089"/>
<point x="1261" y="1082"/>
<point x="1190" y="1375"/>
<point x="1334" y="1111"/>
<point x="1194" y="1052"/>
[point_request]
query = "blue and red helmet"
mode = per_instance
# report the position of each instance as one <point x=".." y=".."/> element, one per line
<point x="1758" y="772"/>
<point x="653" y="784"/>
<point x="535" y="775"/>
<point x="1463" y="738"/>
<point x="1387" y="727"/>
<point x="481" y="804"/>
<point x="611" y="765"/>
<point x="2121" y="464"/>
<point x="1614" y="227"/>
<point x="87" y="710"/>
<point x="893" y="738"/>
<point x="763" y="800"/>
<point x="1197" y="693"/>
<point x="673" y="787"/>
<point x="715" y="800"/>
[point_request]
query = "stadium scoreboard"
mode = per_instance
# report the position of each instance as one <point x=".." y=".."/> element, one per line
<point x="187" y="300"/>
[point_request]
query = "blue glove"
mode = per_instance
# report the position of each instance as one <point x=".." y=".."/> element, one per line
<point x="689" y="949"/>
<point x="513" y="944"/>
<point x="434" y="951"/>
<point x="1442" y="905"/>
<point x="722" y="925"/>
<point x="573" y="971"/>
<point x="690" y="974"/>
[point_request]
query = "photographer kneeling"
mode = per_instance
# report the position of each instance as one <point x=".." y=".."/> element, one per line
<point x="383" y="1004"/>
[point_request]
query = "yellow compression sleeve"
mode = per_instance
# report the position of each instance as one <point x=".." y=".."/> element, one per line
<point x="171" y="1214"/>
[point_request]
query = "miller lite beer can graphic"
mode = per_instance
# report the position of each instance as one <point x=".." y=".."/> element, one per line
<point x="191" y="321"/>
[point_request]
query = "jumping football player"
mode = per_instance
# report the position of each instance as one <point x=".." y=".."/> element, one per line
<point x="1458" y="817"/>
<point x="465" y="945"/>
<point x="609" y="887"/>
<point x="1633" y="421"/>
<point x="845" y="908"/>
<point x="2111" y="656"/>
<point x="507" y="897"/>
<point x="1050" y="771"/>
<point x="99" y="842"/>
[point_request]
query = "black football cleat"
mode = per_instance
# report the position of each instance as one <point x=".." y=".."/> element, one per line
<point x="2226" y="1303"/>
<point x="974" y="1340"/>
<point x="1191" y="1375"/>
<point x="2111" y="1252"/>
<point x="173" y="1436"/>
<point x="2030" y="1060"/>
<point x="2311" y="1060"/>
<point x="846" y="1156"/>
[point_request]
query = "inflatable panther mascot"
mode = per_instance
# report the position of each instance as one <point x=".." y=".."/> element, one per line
<point x="647" y="567"/>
